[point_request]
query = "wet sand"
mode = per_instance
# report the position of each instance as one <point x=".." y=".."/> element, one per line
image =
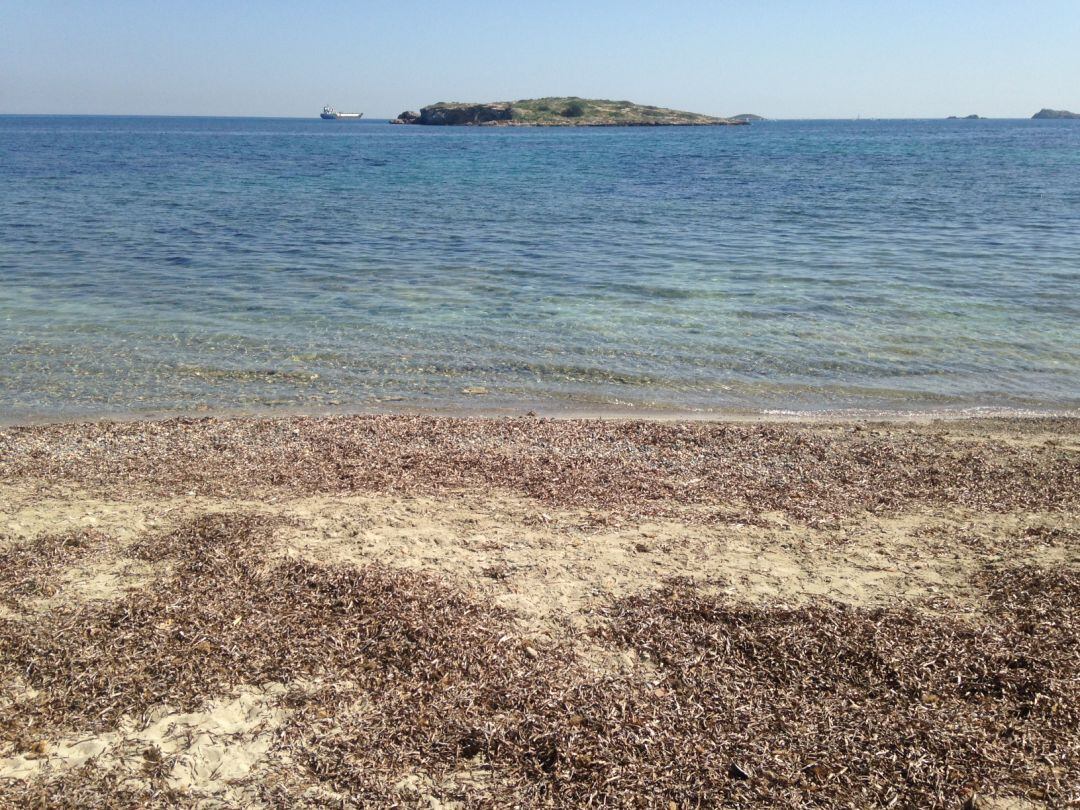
<point x="436" y="611"/>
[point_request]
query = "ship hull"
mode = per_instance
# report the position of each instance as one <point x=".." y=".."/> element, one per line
<point x="341" y="116"/>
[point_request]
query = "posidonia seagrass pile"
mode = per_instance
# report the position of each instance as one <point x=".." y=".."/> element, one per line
<point x="391" y="672"/>
<point x="644" y="468"/>
<point x="392" y="686"/>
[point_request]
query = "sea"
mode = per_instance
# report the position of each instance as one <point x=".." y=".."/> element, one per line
<point x="155" y="266"/>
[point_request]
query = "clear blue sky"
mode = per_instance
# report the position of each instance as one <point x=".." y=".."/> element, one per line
<point x="780" y="58"/>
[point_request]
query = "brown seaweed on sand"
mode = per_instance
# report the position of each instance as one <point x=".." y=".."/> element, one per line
<point x="30" y="569"/>
<point x="637" y="468"/>
<point x="402" y="688"/>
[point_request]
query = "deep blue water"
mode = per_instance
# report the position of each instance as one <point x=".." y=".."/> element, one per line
<point x="151" y="264"/>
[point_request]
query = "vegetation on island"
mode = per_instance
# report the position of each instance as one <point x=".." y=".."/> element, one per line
<point x="559" y="111"/>
<point x="582" y="111"/>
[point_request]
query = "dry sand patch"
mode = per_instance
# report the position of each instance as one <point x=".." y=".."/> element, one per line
<point x="551" y="564"/>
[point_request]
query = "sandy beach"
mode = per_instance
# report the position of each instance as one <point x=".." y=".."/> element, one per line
<point x="425" y="611"/>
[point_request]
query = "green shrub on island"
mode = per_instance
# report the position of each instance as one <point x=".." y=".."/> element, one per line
<point x="575" y="109"/>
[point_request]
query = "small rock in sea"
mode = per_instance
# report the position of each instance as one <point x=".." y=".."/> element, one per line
<point x="474" y="390"/>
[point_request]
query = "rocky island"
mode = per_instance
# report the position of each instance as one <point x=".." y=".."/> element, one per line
<point x="972" y="117"/>
<point x="561" y="111"/>
<point x="1048" y="113"/>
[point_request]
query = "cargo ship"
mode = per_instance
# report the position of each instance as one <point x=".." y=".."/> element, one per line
<point x="330" y="114"/>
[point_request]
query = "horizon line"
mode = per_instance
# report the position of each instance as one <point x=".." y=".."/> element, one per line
<point x="315" y="116"/>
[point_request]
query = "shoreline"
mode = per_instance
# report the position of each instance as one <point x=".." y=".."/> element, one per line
<point x="736" y="415"/>
<point x="719" y="460"/>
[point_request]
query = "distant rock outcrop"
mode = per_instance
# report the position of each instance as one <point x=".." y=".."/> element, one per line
<point x="966" y="118"/>
<point x="748" y="117"/>
<point x="562" y="111"/>
<point x="454" y="114"/>
<point x="1048" y="113"/>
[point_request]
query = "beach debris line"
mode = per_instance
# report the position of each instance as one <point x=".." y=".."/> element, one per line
<point x="719" y="471"/>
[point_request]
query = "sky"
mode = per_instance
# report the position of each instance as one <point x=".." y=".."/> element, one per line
<point x="777" y="58"/>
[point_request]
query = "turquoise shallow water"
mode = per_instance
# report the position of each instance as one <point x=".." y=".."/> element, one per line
<point x="156" y="264"/>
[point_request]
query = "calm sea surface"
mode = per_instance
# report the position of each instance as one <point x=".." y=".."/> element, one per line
<point x="157" y="264"/>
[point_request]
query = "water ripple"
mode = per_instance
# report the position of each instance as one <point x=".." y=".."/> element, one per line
<point x="168" y="264"/>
